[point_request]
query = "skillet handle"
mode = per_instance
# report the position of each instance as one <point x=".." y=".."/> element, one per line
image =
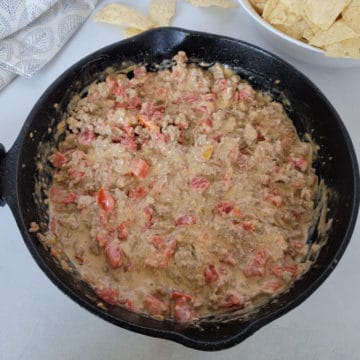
<point x="2" y="173"/>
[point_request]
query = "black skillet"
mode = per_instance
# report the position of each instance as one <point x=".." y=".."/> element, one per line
<point x="310" y="111"/>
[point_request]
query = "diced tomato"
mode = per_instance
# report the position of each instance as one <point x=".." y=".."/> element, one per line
<point x="210" y="274"/>
<point x="231" y="300"/>
<point x="128" y="142"/>
<point x="186" y="220"/>
<point x="140" y="72"/>
<point x="76" y="174"/>
<point x="206" y="126"/>
<point x="58" y="160"/>
<point x="183" y="312"/>
<point x="105" y="200"/>
<point x="140" y="168"/>
<point x="154" y="306"/>
<point x="160" y="137"/>
<point x="122" y="231"/>
<point x="165" y="250"/>
<point x="237" y="213"/>
<point x="223" y="208"/>
<point x="271" y="286"/>
<point x="119" y="90"/>
<point x="129" y="130"/>
<point x="276" y="200"/>
<point x="209" y="97"/>
<point x="102" y="239"/>
<point x="199" y="183"/>
<point x="133" y="103"/>
<point x="70" y="198"/>
<point x="57" y="194"/>
<point x="256" y="266"/>
<point x="243" y="94"/>
<point x="247" y="225"/>
<point x="161" y="93"/>
<point x="52" y="225"/>
<point x="109" y="295"/>
<point x="147" y="108"/>
<point x="157" y="241"/>
<point x="166" y="255"/>
<point x="281" y="269"/>
<point x="229" y="259"/>
<point x="218" y="137"/>
<point x="149" y="214"/>
<point x="113" y="254"/>
<point x="179" y="295"/>
<point x="298" y="163"/>
<point x="188" y="98"/>
<point x="86" y="137"/>
<point x="221" y="83"/>
<point x="137" y="193"/>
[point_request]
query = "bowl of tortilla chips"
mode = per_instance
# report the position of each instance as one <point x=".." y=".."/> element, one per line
<point x="320" y="32"/>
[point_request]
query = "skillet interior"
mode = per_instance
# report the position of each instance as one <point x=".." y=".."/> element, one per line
<point x="309" y="110"/>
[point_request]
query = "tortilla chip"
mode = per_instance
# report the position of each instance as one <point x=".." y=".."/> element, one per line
<point x="351" y="15"/>
<point x="269" y="7"/>
<point x="258" y="5"/>
<point x="162" y="11"/>
<point x="207" y="3"/>
<point x="118" y="14"/>
<point x="348" y="48"/>
<point x="337" y="32"/>
<point x="323" y="13"/>
<point x="129" y="32"/>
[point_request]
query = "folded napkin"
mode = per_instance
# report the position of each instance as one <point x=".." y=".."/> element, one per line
<point x="33" y="31"/>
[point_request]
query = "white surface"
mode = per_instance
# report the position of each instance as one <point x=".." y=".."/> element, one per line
<point x="39" y="322"/>
<point x="292" y="47"/>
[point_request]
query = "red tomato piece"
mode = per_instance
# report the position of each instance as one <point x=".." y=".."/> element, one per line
<point x="210" y="274"/>
<point x="70" y="198"/>
<point x="109" y="295"/>
<point x="122" y="231"/>
<point x="206" y="126"/>
<point x="105" y="200"/>
<point x="160" y="137"/>
<point x="247" y="225"/>
<point x="133" y="103"/>
<point x="102" y="239"/>
<point x="298" y="163"/>
<point x="256" y="266"/>
<point x="140" y="168"/>
<point x="58" y="160"/>
<point x="76" y="174"/>
<point x="186" y="220"/>
<point x="154" y="306"/>
<point x="281" y="269"/>
<point x="140" y="72"/>
<point x="243" y="94"/>
<point x="276" y="200"/>
<point x="231" y="300"/>
<point x="271" y="286"/>
<point x="158" y="242"/>
<point x="188" y="98"/>
<point x="183" y="312"/>
<point x="179" y="295"/>
<point x="149" y="214"/>
<point x="128" y="142"/>
<point x="147" y="108"/>
<point x="199" y="183"/>
<point x="137" y="193"/>
<point x="113" y="254"/>
<point x="223" y="208"/>
<point x="86" y="137"/>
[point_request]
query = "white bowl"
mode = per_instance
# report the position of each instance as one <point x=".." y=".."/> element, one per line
<point x="292" y="47"/>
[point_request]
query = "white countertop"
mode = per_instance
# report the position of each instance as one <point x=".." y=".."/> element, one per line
<point x="40" y="322"/>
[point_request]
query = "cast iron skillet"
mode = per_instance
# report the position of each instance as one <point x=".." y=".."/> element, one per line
<point x="310" y="111"/>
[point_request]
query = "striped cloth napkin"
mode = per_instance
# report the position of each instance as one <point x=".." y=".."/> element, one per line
<point x="33" y="31"/>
